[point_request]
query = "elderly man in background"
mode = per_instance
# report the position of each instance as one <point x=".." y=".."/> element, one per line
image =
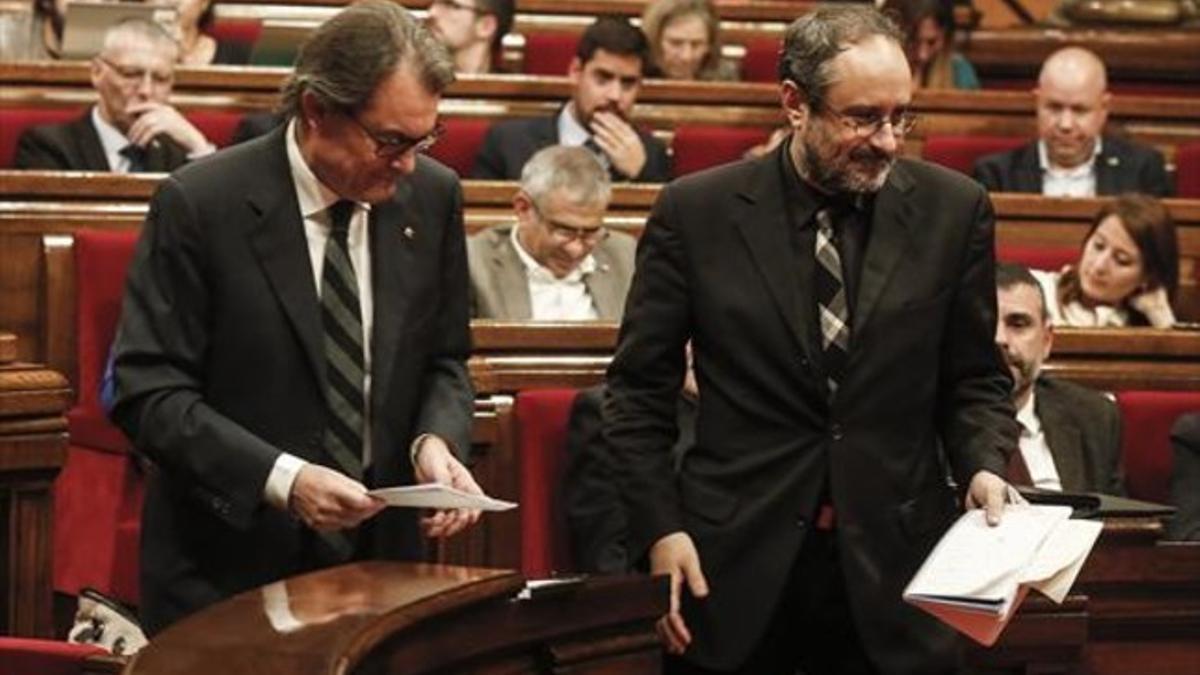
<point x="1072" y="156"/>
<point x="132" y="127"/>
<point x="559" y="263"/>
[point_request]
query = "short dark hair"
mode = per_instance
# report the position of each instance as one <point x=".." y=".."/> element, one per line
<point x="615" y="35"/>
<point x="503" y="11"/>
<point x="815" y="39"/>
<point x="347" y="57"/>
<point x="1010" y="275"/>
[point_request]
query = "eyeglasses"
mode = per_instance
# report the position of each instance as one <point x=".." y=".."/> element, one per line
<point x="132" y="74"/>
<point x="565" y="234"/>
<point x="866" y="124"/>
<point x="462" y="6"/>
<point x="393" y="145"/>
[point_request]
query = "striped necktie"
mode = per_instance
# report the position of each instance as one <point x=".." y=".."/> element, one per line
<point x="136" y="155"/>
<point x="832" y="310"/>
<point x="341" y="319"/>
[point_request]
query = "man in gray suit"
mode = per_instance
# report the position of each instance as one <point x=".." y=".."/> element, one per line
<point x="559" y="263"/>
<point x="1070" y="435"/>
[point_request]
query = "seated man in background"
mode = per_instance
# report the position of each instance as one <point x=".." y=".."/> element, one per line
<point x="1072" y="158"/>
<point x="1070" y="435"/>
<point x="471" y="30"/>
<point x="1185" y="478"/>
<point x="559" y="263"/>
<point x="131" y="128"/>
<point x="606" y="74"/>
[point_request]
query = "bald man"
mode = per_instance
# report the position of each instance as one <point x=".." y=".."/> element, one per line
<point x="1072" y="158"/>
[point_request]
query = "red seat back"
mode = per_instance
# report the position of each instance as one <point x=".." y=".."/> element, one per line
<point x="14" y="121"/>
<point x="549" y="53"/>
<point x="1146" y="418"/>
<point x="701" y="146"/>
<point x="459" y="146"/>
<point x="541" y="418"/>
<point x="1048" y="258"/>
<point x="241" y="30"/>
<point x="761" y="63"/>
<point x="27" y="656"/>
<point x="216" y="125"/>
<point x="961" y="152"/>
<point x="102" y="258"/>
<point x="1187" y="171"/>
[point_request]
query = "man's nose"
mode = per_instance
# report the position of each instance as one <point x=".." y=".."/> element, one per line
<point x="886" y="137"/>
<point x="405" y="162"/>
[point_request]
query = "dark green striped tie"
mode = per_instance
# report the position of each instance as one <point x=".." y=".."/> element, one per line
<point x="341" y="318"/>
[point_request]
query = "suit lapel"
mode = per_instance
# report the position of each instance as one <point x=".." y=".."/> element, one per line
<point x="279" y="242"/>
<point x="1063" y="438"/>
<point x="603" y="287"/>
<point x="91" y="150"/>
<point x="1108" y="169"/>
<point x="1027" y="172"/>
<point x="393" y="227"/>
<point x="511" y="292"/>
<point x="892" y="223"/>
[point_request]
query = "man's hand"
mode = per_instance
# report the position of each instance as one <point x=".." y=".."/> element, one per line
<point x="434" y="463"/>
<point x="620" y="142"/>
<point x="159" y="118"/>
<point x="676" y="555"/>
<point x="327" y="500"/>
<point x="990" y="492"/>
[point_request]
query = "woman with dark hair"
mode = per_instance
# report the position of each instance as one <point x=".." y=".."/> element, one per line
<point x="929" y="29"/>
<point x="1127" y="272"/>
<point x="685" y="41"/>
<point x="34" y="35"/>
<point x="196" y="46"/>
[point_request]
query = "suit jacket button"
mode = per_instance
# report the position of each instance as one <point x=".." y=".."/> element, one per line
<point x="835" y="431"/>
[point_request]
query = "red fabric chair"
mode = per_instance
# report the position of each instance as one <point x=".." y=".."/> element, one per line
<point x="549" y="53"/>
<point x="761" y="63"/>
<point x="1146" y="418"/>
<point x="1187" y="171"/>
<point x="27" y="656"/>
<point x="1050" y="259"/>
<point x="541" y="419"/>
<point x="459" y="146"/>
<point x="244" y="31"/>
<point x="216" y="125"/>
<point x="98" y="495"/>
<point x="960" y="152"/>
<point x="14" y="122"/>
<point x="700" y="146"/>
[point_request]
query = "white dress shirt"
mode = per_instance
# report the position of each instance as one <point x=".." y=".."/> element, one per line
<point x="1079" y="181"/>
<point x="314" y="199"/>
<point x="554" y="299"/>
<point x="112" y="141"/>
<point x="1034" y="449"/>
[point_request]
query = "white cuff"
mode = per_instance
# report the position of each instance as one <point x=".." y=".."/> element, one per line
<point x="278" y="490"/>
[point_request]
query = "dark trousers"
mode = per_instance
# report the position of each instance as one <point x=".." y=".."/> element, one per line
<point x="812" y="631"/>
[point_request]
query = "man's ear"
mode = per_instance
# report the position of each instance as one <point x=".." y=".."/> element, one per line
<point x="522" y="205"/>
<point x="575" y="70"/>
<point x="795" y="104"/>
<point x="486" y="27"/>
<point x="312" y="110"/>
<point x="95" y="72"/>
<point x="1048" y="341"/>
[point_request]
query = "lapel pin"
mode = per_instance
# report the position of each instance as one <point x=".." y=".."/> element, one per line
<point x="408" y="232"/>
<point x="1113" y="161"/>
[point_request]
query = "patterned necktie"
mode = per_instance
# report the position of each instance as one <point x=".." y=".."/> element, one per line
<point x="136" y="155"/>
<point x="593" y="147"/>
<point x="344" y="370"/>
<point x="832" y="310"/>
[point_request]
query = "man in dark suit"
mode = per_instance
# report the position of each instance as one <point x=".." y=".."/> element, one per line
<point x="1070" y="435"/>
<point x="1072" y="157"/>
<point x="607" y="74"/>
<point x="841" y="303"/>
<point x="1185" y="478"/>
<point x="132" y="127"/>
<point x="295" y="328"/>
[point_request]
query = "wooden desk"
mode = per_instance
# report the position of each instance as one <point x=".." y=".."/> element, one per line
<point x="413" y="619"/>
<point x="33" y="446"/>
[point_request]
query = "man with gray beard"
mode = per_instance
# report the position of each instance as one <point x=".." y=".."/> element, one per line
<point x="1070" y="435"/>
<point x="841" y="305"/>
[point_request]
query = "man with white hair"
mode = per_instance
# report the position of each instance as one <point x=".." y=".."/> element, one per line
<point x="559" y="263"/>
<point x="132" y="128"/>
<point x="1072" y="157"/>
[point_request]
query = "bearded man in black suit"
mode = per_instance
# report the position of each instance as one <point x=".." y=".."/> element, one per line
<point x="295" y="329"/>
<point x="841" y="307"/>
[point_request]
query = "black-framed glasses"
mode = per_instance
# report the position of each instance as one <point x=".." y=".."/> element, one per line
<point x="867" y="123"/>
<point x="455" y="4"/>
<point x="565" y="234"/>
<point x="132" y="74"/>
<point x="391" y="145"/>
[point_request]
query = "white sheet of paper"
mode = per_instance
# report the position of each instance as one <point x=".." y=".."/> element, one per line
<point x="437" y="496"/>
<point x="1071" y="541"/>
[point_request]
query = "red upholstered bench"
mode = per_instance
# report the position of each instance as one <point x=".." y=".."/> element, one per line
<point x="14" y="121"/>
<point x="761" y="63"/>
<point x="216" y="125"/>
<point x="459" y="146"/>
<point x="27" y="656"/>
<point x="1050" y="259"/>
<point x="98" y="495"/>
<point x="1146" y="418"/>
<point x="541" y="419"/>
<point x="961" y="152"/>
<point x="1187" y="171"/>
<point x="243" y="30"/>
<point x="549" y="53"/>
<point x="701" y="146"/>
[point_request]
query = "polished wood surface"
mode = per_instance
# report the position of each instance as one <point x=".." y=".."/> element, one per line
<point x="415" y="618"/>
<point x="33" y="443"/>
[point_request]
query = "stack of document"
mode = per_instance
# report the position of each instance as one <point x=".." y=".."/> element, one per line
<point x="978" y="574"/>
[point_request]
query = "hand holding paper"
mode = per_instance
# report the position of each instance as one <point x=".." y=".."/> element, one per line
<point x="434" y="463"/>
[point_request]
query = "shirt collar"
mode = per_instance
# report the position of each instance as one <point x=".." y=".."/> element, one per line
<point x="539" y="273"/>
<point x="570" y="131"/>
<point x="111" y="138"/>
<point x="1027" y="417"/>
<point x="1082" y="170"/>
<point x="313" y="196"/>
